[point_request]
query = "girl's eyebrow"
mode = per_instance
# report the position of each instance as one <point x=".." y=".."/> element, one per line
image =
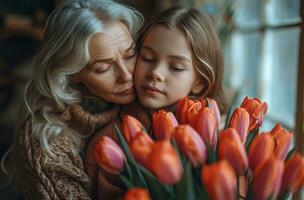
<point x="178" y="57"/>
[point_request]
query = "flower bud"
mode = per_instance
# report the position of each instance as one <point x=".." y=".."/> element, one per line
<point x="283" y="141"/>
<point x="261" y="149"/>
<point x="164" y="124"/>
<point x="164" y="162"/>
<point x="137" y="194"/>
<point x="240" y="122"/>
<point x="130" y="127"/>
<point x="141" y="146"/>
<point x="256" y="110"/>
<point x="231" y="148"/>
<point x="109" y="156"/>
<point x="206" y="127"/>
<point x="219" y="180"/>
<point x="191" y="144"/>
<point x="267" y="179"/>
<point x="293" y="176"/>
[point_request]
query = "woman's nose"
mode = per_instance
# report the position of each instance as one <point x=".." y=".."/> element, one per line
<point x="125" y="71"/>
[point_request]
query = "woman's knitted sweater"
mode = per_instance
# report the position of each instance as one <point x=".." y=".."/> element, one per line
<point x="62" y="176"/>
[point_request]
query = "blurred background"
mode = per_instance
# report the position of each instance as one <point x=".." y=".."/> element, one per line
<point x="262" y="41"/>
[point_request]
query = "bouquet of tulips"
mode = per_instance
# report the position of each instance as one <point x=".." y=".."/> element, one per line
<point x="187" y="156"/>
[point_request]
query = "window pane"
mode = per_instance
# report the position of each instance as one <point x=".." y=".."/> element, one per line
<point x="247" y="13"/>
<point x="279" y="73"/>
<point x="282" y="12"/>
<point x="242" y="67"/>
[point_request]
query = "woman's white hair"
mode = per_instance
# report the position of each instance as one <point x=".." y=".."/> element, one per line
<point x="65" y="52"/>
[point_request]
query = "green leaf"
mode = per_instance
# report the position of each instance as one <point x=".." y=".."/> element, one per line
<point x="290" y="153"/>
<point x="284" y="196"/>
<point x="228" y="117"/>
<point x="185" y="188"/>
<point x="137" y="177"/>
<point x="251" y="135"/>
<point x="126" y="181"/>
<point x="157" y="189"/>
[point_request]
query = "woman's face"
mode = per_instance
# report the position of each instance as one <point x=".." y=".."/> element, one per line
<point x="164" y="70"/>
<point x="109" y="73"/>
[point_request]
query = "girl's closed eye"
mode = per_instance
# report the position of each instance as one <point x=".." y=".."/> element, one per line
<point x="177" y="68"/>
<point x="147" y="58"/>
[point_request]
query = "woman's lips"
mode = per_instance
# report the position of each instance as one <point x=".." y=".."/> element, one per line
<point x="153" y="91"/>
<point x="128" y="91"/>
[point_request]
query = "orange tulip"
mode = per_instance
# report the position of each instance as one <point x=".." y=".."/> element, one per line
<point x="192" y="112"/>
<point x="164" y="124"/>
<point x="240" y="122"/>
<point x="109" y="156"/>
<point x="219" y="180"/>
<point x="293" y="177"/>
<point x="137" y="194"/>
<point x="141" y="146"/>
<point x="214" y="107"/>
<point x="130" y="127"/>
<point x="182" y="110"/>
<point x="261" y="149"/>
<point x="191" y="144"/>
<point x="165" y="163"/>
<point x="267" y="179"/>
<point x="231" y="148"/>
<point x="256" y="110"/>
<point x="206" y="127"/>
<point x="283" y="141"/>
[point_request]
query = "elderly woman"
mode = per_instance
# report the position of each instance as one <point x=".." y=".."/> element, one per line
<point x="81" y="73"/>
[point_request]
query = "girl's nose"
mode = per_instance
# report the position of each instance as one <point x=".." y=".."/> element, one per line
<point x="156" y="74"/>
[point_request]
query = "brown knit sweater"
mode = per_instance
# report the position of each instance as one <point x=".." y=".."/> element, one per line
<point x="63" y="176"/>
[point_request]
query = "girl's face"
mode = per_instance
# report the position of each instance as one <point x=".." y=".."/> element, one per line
<point x="164" y="70"/>
<point x="109" y="73"/>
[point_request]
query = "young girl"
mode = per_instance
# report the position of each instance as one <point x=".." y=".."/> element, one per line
<point x="179" y="56"/>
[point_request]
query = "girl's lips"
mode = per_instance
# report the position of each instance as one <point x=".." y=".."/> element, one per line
<point x="153" y="91"/>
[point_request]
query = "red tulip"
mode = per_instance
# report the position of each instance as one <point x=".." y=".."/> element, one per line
<point x="109" y="155"/>
<point x="182" y="110"/>
<point x="283" y="141"/>
<point x="165" y="163"/>
<point x="256" y="110"/>
<point x="206" y="127"/>
<point x="130" y="127"/>
<point x="193" y="110"/>
<point x="141" y="146"/>
<point x="214" y="107"/>
<point x="137" y="194"/>
<point x="267" y="179"/>
<point x="261" y="149"/>
<point x="190" y="144"/>
<point x="240" y="122"/>
<point x="231" y="148"/>
<point x="293" y="177"/>
<point x="219" y="180"/>
<point x="164" y="124"/>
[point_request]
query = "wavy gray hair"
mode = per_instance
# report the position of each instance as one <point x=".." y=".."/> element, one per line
<point x="65" y="52"/>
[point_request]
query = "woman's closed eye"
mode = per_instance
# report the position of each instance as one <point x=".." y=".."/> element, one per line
<point x="102" y="67"/>
<point x="130" y="54"/>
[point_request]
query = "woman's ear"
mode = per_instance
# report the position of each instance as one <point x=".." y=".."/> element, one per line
<point x="198" y="86"/>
